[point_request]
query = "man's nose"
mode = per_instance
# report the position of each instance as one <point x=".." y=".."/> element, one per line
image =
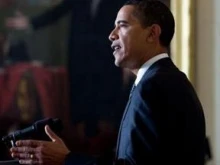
<point x="113" y="36"/>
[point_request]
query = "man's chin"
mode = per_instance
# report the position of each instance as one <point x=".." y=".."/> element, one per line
<point x="118" y="63"/>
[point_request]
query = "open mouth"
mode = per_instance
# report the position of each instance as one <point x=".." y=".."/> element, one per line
<point x="116" y="48"/>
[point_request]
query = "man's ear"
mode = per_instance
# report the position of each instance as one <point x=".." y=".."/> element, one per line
<point x="154" y="33"/>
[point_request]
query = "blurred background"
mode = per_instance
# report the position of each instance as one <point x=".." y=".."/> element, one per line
<point x="56" y="61"/>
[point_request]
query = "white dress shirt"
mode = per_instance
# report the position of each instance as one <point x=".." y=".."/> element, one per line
<point x="147" y="65"/>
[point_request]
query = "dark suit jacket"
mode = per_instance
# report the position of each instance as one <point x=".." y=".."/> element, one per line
<point x="163" y="122"/>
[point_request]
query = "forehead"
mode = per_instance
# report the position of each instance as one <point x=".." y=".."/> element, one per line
<point x="126" y="13"/>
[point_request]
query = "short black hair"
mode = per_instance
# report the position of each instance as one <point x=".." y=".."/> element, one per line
<point x="151" y="12"/>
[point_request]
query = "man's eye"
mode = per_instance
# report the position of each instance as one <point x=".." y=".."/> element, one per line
<point x="123" y="25"/>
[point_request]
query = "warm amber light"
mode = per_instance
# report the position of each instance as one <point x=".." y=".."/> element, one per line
<point x="180" y="46"/>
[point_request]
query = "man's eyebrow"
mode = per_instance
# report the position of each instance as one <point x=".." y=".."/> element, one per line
<point x="121" y="21"/>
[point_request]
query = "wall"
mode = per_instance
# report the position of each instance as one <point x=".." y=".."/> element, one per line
<point x="208" y="68"/>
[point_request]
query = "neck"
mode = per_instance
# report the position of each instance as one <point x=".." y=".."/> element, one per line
<point x="145" y="58"/>
<point x="135" y="71"/>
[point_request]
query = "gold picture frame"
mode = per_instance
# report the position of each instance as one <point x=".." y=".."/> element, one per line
<point x="182" y="45"/>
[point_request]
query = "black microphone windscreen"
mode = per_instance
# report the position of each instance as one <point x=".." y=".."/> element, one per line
<point x="36" y="131"/>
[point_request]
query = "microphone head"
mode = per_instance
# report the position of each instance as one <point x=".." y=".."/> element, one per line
<point x="54" y="123"/>
<point x="36" y="131"/>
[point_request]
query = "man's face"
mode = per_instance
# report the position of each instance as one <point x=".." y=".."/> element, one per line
<point x="129" y="39"/>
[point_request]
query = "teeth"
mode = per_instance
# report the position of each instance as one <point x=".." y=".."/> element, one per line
<point x="116" y="47"/>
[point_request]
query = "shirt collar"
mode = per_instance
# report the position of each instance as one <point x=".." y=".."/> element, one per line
<point x="147" y="65"/>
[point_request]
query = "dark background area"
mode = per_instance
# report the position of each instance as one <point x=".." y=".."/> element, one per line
<point x="37" y="85"/>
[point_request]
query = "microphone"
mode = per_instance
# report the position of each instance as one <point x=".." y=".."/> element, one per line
<point x="36" y="131"/>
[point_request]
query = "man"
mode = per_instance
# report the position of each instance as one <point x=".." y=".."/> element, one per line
<point x="163" y="122"/>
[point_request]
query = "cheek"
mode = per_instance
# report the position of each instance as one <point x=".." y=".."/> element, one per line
<point x="127" y="44"/>
<point x="129" y="48"/>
